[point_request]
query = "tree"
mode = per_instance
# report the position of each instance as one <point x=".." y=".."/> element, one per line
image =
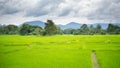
<point x="25" y="29"/>
<point x="84" y="29"/>
<point x="2" y="29"/>
<point x="98" y="29"/>
<point x="103" y="31"/>
<point x="50" y="28"/>
<point x="91" y="30"/>
<point x="59" y="31"/>
<point x="37" y="31"/>
<point x="76" y="32"/>
<point x="9" y="29"/>
<point x="116" y="29"/>
<point x="110" y="28"/>
<point x="69" y="31"/>
<point x="113" y="29"/>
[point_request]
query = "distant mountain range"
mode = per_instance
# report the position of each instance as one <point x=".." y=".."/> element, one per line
<point x="36" y="23"/>
<point x="73" y="25"/>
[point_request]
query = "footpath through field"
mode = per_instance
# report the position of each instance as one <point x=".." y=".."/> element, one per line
<point x="94" y="60"/>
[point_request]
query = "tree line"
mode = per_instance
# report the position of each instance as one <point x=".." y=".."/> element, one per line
<point x="51" y="29"/>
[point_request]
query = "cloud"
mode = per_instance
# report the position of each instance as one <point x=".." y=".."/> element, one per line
<point x="84" y="10"/>
<point x="107" y="10"/>
<point x="6" y="7"/>
<point x="44" y="7"/>
<point x="92" y="9"/>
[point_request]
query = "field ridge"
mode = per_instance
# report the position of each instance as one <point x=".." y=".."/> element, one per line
<point x="94" y="60"/>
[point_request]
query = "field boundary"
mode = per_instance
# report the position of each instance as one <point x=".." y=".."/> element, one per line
<point x="94" y="60"/>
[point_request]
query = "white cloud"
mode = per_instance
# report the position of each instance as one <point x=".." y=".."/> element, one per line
<point x="61" y="11"/>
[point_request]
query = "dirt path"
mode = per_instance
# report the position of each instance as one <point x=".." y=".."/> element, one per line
<point x="94" y="60"/>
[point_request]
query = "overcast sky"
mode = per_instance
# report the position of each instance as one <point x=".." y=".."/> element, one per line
<point x="60" y="11"/>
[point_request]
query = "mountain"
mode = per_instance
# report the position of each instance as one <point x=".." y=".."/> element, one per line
<point x="103" y="25"/>
<point x="73" y="25"/>
<point x="36" y="23"/>
<point x="117" y="24"/>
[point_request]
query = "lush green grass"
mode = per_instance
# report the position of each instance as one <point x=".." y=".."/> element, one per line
<point x="109" y="59"/>
<point x="60" y="51"/>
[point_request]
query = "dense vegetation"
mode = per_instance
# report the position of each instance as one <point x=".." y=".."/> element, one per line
<point x="59" y="51"/>
<point x="52" y="29"/>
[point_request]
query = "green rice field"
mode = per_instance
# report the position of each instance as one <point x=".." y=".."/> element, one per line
<point x="59" y="51"/>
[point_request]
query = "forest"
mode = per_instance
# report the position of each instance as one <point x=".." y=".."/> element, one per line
<point x="52" y="29"/>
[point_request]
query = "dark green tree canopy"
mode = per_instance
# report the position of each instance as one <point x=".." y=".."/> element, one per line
<point x="98" y="29"/>
<point x="50" y="28"/>
<point x="27" y="29"/>
<point x="69" y="31"/>
<point x="84" y="29"/>
<point x="113" y="29"/>
<point x="9" y="29"/>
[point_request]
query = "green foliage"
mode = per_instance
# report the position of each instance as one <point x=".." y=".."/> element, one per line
<point x="98" y="29"/>
<point x="91" y="30"/>
<point x="113" y="29"/>
<point x="59" y="31"/>
<point x="37" y="31"/>
<point x="69" y="31"/>
<point x="50" y="28"/>
<point x="76" y="32"/>
<point x="9" y="29"/>
<point x="2" y="30"/>
<point x="84" y="29"/>
<point x="25" y="29"/>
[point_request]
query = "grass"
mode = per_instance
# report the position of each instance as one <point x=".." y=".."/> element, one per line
<point x="109" y="59"/>
<point x="59" y="51"/>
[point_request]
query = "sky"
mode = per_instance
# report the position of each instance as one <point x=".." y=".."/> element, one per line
<point x="60" y="11"/>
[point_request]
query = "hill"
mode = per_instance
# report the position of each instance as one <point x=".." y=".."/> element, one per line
<point x="36" y="23"/>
